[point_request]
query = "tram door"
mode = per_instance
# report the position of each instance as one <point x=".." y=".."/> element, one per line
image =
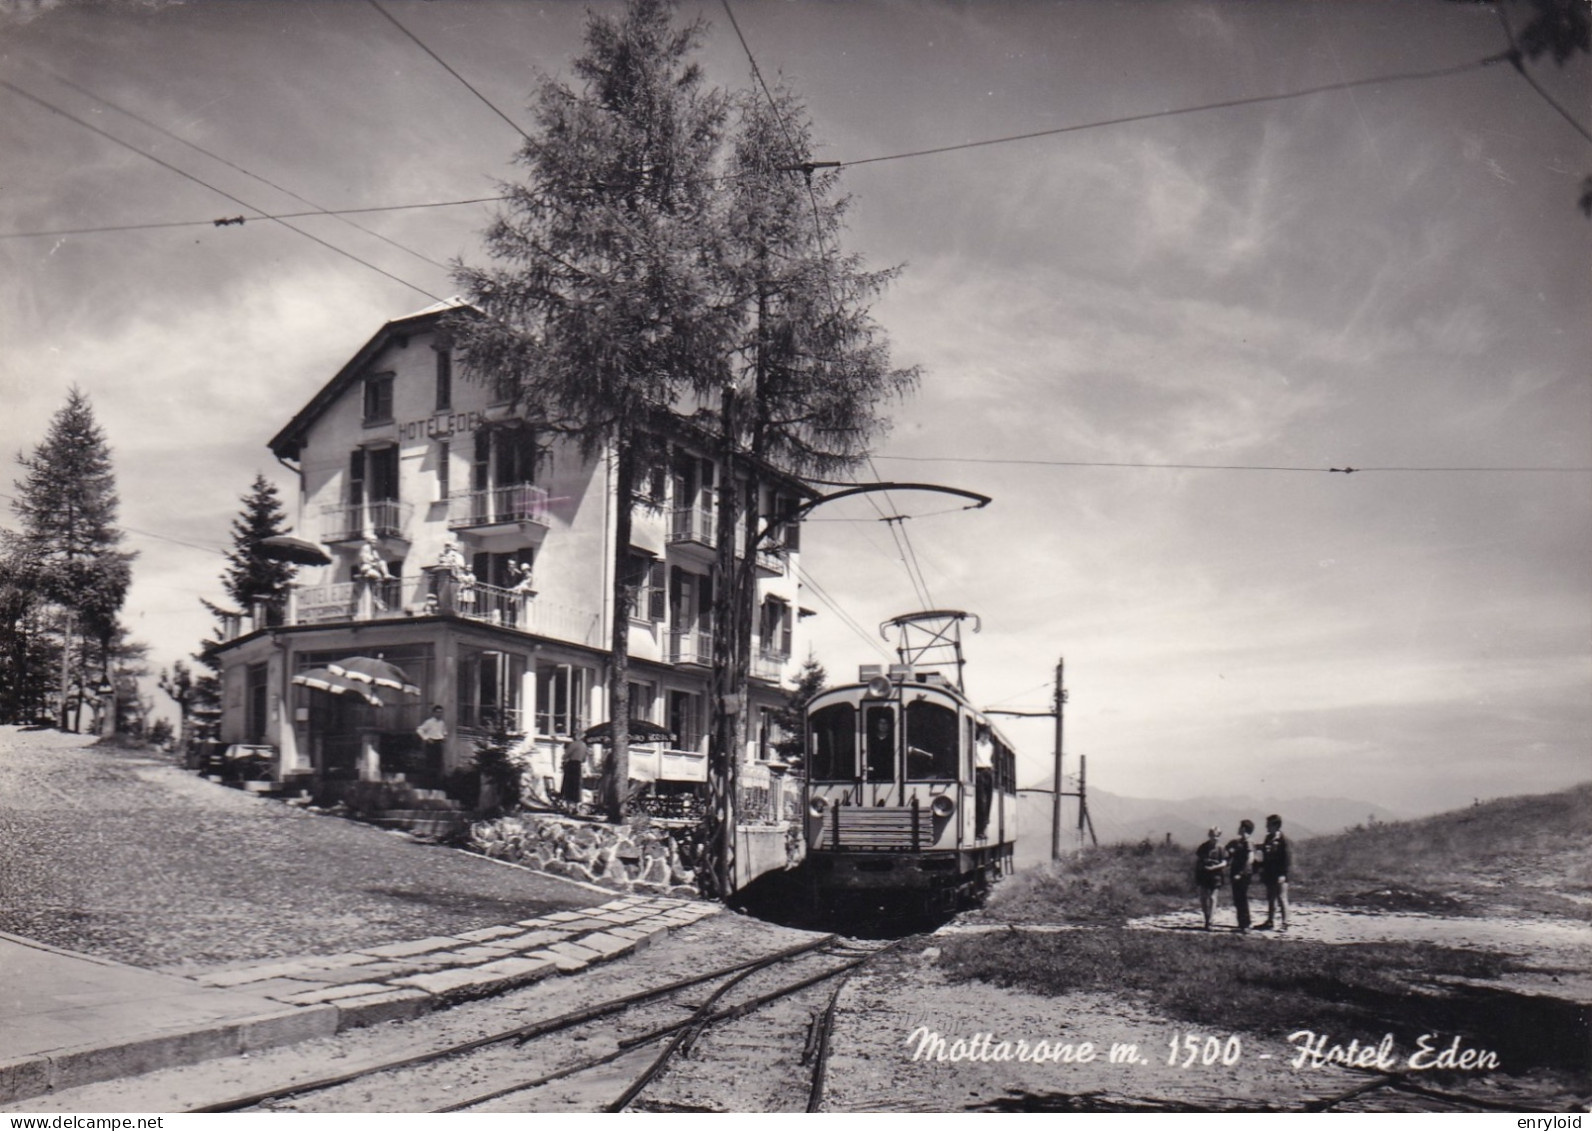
<point x="879" y="785"/>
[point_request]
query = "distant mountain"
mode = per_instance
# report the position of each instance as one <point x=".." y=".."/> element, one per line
<point x="1129" y="820"/>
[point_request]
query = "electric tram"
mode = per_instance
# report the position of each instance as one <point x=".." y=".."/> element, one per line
<point x="911" y="791"/>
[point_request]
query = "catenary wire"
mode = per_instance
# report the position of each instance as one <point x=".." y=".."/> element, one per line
<point x="443" y="64"/>
<point x="1215" y="466"/>
<point x="318" y="210"/>
<point x="897" y="530"/>
<point x="205" y="184"/>
<point x="1519" y="64"/>
<point x="1010" y="138"/>
<point x="1225" y="104"/>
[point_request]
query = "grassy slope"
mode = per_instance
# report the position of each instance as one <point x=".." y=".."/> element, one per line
<point x="1517" y="855"/>
<point x="1520" y="855"/>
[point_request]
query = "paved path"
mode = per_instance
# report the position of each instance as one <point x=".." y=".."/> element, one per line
<point x="125" y="856"/>
<point x="72" y="1019"/>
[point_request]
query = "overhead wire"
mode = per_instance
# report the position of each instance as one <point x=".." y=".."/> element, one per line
<point x="19" y="91"/>
<point x="441" y="62"/>
<point x="150" y="534"/>
<point x="897" y="531"/>
<point x="222" y="222"/>
<point x="1518" y="62"/>
<point x="905" y="155"/>
<point x="162" y="130"/>
<point x="1346" y="470"/>
<point x="1152" y="115"/>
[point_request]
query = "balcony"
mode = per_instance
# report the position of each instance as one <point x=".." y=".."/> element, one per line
<point x="351" y="522"/>
<point x="437" y="592"/>
<point x="767" y="665"/>
<point x="522" y="506"/>
<point x="691" y="647"/>
<point x="692" y="526"/>
<point x="771" y="561"/>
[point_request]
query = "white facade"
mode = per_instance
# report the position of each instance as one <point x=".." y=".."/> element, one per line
<point x="493" y="589"/>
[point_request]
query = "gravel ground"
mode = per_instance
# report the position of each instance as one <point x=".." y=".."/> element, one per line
<point x="123" y="855"/>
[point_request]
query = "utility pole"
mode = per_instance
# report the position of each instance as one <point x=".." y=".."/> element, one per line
<point x="1055" y="816"/>
<point x="1059" y="703"/>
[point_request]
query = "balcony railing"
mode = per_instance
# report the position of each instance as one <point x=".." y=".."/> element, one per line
<point x="693" y="524"/>
<point x="433" y="592"/>
<point x="692" y="646"/>
<point x="768" y="665"/>
<point x="771" y="559"/>
<point x="349" y="522"/>
<point x="500" y="506"/>
<point x="352" y="600"/>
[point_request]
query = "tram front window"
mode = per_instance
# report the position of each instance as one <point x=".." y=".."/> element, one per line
<point x="931" y="742"/>
<point x="881" y="744"/>
<point x="834" y="739"/>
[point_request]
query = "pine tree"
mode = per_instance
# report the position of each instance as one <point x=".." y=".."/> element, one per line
<point x="29" y="653"/>
<point x="252" y="582"/>
<point x="792" y="717"/>
<point x="67" y="503"/>
<point x="810" y="371"/>
<point x="599" y="314"/>
<point x="249" y="578"/>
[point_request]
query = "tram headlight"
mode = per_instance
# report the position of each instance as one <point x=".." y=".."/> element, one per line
<point x="817" y="806"/>
<point x="942" y="806"/>
<point x="879" y="687"/>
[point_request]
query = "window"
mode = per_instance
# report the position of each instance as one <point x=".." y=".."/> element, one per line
<point x="489" y="691"/>
<point x="503" y="570"/>
<point x="381" y="469"/>
<point x="640" y="700"/>
<point x="562" y="696"/>
<point x="444" y="378"/>
<point x="881" y="743"/>
<point x="444" y="460"/>
<point x="833" y="733"/>
<point x="648" y="593"/>
<point x="932" y="747"/>
<point x="775" y="627"/>
<point x="769" y="734"/>
<point x="378" y="399"/>
<point x="255" y="722"/>
<point x="685" y="719"/>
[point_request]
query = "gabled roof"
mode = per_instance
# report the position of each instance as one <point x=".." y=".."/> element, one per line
<point x="287" y="443"/>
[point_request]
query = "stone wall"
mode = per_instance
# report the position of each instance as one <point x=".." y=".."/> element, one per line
<point x="638" y="856"/>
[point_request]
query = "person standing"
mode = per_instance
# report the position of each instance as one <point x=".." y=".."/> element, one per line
<point x="1239" y="863"/>
<point x="574" y="769"/>
<point x="433" y="736"/>
<point x="983" y="781"/>
<point x="1210" y="865"/>
<point x="1275" y="860"/>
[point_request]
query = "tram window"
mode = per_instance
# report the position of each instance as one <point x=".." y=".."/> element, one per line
<point x="834" y="731"/>
<point x="881" y="744"/>
<point x="931" y="742"/>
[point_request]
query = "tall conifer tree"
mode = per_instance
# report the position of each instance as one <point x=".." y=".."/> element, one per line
<point x="598" y="314"/>
<point x="67" y="504"/>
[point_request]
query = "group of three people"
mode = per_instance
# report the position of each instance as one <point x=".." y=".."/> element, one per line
<point x="1238" y="862"/>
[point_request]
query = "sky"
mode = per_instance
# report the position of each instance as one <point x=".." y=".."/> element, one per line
<point x="1147" y="341"/>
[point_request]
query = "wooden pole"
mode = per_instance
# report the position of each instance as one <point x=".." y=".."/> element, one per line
<point x="1055" y="816"/>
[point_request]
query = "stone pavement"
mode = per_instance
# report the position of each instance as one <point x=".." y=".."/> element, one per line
<point x="69" y="1019"/>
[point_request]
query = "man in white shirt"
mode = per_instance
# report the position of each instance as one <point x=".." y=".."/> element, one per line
<point x="433" y="733"/>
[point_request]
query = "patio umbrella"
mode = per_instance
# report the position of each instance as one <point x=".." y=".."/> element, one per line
<point x="324" y="679"/>
<point x="291" y="548"/>
<point x="375" y="671"/>
<point x="640" y="731"/>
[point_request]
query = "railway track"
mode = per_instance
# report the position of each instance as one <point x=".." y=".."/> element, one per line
<point x="759" y="1026"/>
